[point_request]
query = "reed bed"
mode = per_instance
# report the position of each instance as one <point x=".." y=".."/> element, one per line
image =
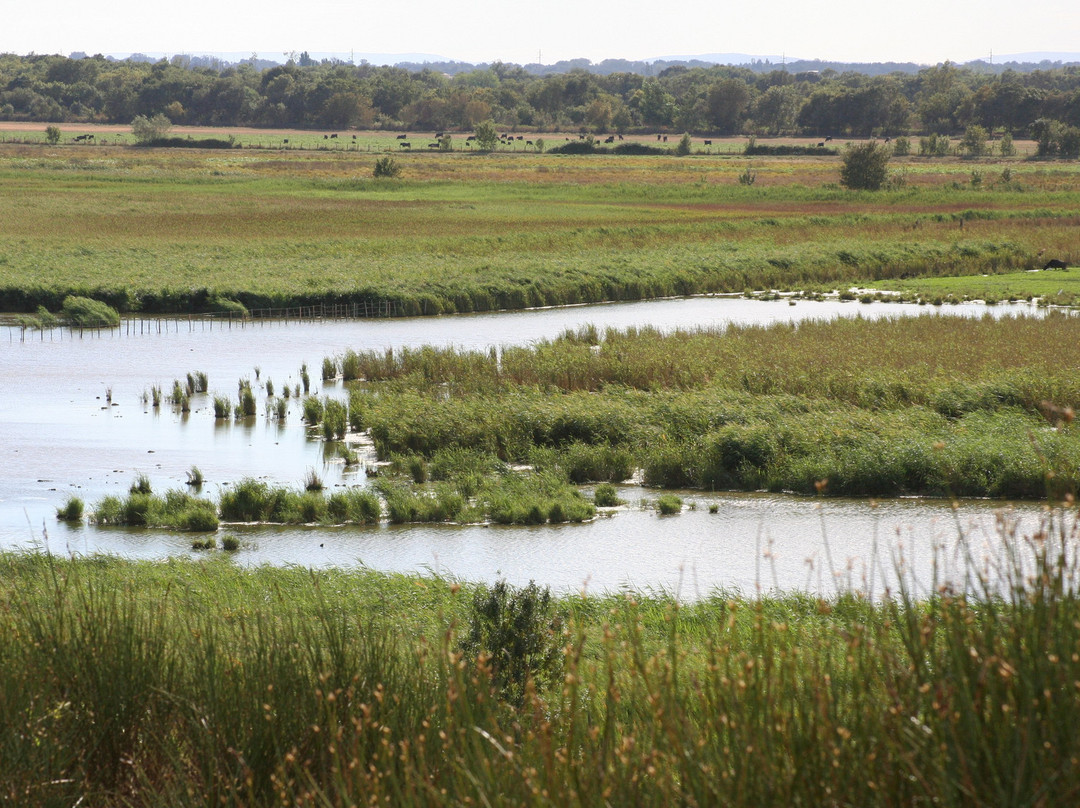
<point x="930" y="405"/>
<point x="186" y="683"/>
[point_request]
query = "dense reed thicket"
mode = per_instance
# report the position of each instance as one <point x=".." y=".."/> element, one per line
<point x="928" y="405"/>
<point x="124" y="683"/>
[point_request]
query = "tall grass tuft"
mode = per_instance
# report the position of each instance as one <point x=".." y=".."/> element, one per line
<point x="329" y="369"/>
<point x="246" y="406"/>
<point x="72" y="510"/>
<point x="222" y="407"/>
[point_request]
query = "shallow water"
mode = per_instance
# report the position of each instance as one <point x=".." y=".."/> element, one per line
<point x="60" y="436"/>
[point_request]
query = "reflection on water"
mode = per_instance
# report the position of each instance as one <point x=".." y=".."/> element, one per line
<point x="61" y="437"/>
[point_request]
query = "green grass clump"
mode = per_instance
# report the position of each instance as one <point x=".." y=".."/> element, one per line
<point x="335" y="418"/>
<point x="222" y="408"/>
<point x="313" y="410"/>
<point x="176" y="509"/>
<point x="246" y="406"/>
<point x="354" y="505"/>
<point x="668" y="504"/>
<point x="607" y="496"/>
<point x="88" y="313"/>
<point x="252" y="500"/>
<point x="72" y="510"/>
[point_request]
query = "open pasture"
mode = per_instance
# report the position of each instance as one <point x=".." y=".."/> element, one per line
<point x="168" y="229"/>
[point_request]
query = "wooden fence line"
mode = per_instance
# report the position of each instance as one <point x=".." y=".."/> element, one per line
<point x="224" y="319"/>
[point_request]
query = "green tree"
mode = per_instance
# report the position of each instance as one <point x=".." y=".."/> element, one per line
<point x="52" y="135"/>
<point x="974" y="141"/>
<point x="487" y="138"/>
<point x="865" y="167"/>
<point x="726" y="103"/>
<point x="148" y="129"/>
<point x="683" y="148"/>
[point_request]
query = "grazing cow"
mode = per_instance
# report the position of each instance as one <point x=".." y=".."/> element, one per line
<point x="708" y="142"/>
<point x="354" y="137"/>
<point x="470" y="138"/>
<point x="80" y="138"/>
<point x="581" y="137"/>
<point x="821" y="145"/>
<point x="609" y="139"/>
<point x="528" y="142"/>
<point x="402" y="137"/>
<point x="286" y="141"/>
<point x="1056" y="263"/>
<point x="620" y="137"/>
<point x="405" y="144"/>
<point x="325" y="137"/>
<point x="665" y="138"/>
<point x="521" y="137"/>
<point x="333" y="136"/>
<point x="658" y="137"/>
<point x="439" y="134"/>
<point x="433" y="145"/>
<point x="828" y="138"/>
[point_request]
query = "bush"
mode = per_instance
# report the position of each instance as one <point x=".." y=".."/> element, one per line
<point x="901" y="147"/>
<point x="865" y="167"/>
<point x="1006" y="148"/>
<point x="72" y="510"/>
<point x="386" y="167"/>
<point x="667" y="504"/>
<point x="149" y="129"/>
<point x="52" y="135"/>
<point x="934" y="146"/>
<point x="517" y="633"/>
<point x="607" y="496"/>
<point x="683" y="148"/>
<point x="974" y="141"/>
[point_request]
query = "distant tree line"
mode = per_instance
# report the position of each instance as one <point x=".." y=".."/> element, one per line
<point x="944" y="99"/>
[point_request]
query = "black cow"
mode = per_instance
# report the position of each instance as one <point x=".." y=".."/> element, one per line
<point x="1056" y="263"/>
<point x="708" y="142"/>
<point x="333" y="136"/>
<point x="610" y="139"/>
<point x="405" y="144"/>
<point x="402" y="137"/>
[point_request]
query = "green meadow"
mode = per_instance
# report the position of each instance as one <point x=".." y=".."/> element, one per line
<point x="177" y="230"/>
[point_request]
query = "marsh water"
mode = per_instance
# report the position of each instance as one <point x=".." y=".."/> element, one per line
<point x="73" y="421"/>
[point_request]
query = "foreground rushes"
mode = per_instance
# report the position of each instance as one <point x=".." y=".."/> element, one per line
<point x="332" y="688"/>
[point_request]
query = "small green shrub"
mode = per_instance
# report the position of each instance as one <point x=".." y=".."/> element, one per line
<point x="865" y="167"/>
<point x="607" y="496"/>
<point x="667" y="504"/>
<point x="72" y="510"/>
<point x="386" y="167"/>
<point x="518" y="633"/>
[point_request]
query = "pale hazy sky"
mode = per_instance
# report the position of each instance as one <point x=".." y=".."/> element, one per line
<point x="520" y="31"/>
